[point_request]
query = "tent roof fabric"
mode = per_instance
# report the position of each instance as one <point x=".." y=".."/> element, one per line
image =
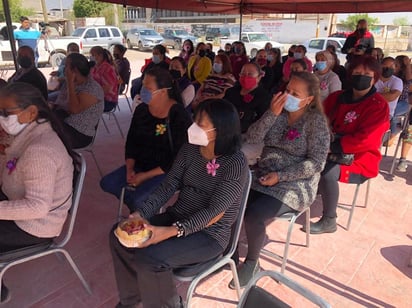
<point x="273" y="6"/>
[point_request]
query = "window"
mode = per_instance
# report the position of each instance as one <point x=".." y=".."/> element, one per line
<point x="91" y="33"/>
<point x="316" y="44"/>
<point x="104" y="32"/>
<point x="115" y="32"/>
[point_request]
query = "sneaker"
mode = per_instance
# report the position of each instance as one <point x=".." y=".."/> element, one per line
<point x="245" y="273"/>
<point x="402" y="166"/>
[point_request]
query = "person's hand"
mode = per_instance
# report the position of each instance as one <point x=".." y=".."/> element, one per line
<point x="138" y="216"/>
<point x="278" y="102"/>
<point x="130" y="174"/>
<point x="138" y="179"/>
<point x="407" y="61"/>
<point x="159" y="234"/>
<point x="2" y="148"/>
<point x="69" y="74"/>
<point x="269" y="179"/>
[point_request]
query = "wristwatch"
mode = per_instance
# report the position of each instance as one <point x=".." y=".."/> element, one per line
<point x="180" y="230"/>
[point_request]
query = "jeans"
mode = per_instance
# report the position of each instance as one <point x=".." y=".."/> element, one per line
<point x="145" y="274"/>
<point x="260" y="209"/>
<point x="116" y="180"/>
<point x="402" y="108"/>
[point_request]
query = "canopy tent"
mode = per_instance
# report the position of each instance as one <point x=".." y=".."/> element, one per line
<point x="273" y="6"/>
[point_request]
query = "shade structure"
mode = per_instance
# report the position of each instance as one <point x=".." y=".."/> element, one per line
<point x="273" y="6"/>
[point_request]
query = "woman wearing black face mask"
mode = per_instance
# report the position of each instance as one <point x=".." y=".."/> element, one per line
<point x="28" y="72"/>
<point x="358" y="118"/>
<point x="199" y="66"/>
<point x="122" y="66"/>
<point x="178" y="70"/>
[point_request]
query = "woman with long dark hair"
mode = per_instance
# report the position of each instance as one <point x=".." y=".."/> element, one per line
<point x="157" y="132"/>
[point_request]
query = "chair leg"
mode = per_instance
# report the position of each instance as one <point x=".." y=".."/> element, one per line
<point x="307" y="214"/>
<point x="287" y="242"/>
<point x="128" y="103"/>
<point x="235" y="277"/>
<point x="119" y="213"/>
<point x="396" y="154"/>
<point x="97" y="164"/>
<point x="353" y="206"/>
<point x="118" y="125"/>
<point x="368" y="186"/>
<point x="105" y="125"/>
<point x="76" y="269"/>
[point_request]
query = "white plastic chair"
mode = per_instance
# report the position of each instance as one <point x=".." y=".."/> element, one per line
<point x="22" y="255"/>
<point x="194" y="274"/>
<point x="255" y="296"/>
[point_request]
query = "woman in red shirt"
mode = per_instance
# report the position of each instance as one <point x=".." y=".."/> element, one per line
<point x="105" y="74"/>
<point x="358" y="119"/>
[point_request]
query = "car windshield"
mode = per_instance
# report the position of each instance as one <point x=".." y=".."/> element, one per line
<point x="78" y="32"/>
<point x="181" y="32"/>
<point x="342" y="42"/>
<point x="147" y="32"/>
<point x="258" y="37"/>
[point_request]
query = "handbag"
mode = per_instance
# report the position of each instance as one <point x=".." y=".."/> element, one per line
<point x="341" y="158"/>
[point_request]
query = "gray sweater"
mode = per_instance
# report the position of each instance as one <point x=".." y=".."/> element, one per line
<point x="39" y="186"/>
<point x="297" y="153"/>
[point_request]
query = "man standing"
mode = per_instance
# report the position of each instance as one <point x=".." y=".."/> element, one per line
<point x="27" y="36"/>
<point x="358" y="41"/>
<point x="390" y="87"/>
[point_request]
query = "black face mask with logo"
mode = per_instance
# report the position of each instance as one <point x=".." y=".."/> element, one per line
<point x="361" y="82"/>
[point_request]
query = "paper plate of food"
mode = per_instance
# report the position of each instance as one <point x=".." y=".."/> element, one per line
<point x="131" y="232"/>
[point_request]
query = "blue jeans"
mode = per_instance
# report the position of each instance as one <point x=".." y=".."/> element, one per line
<point x="145" y="274"/>
<point x="402" y="107"/>
<point x="116" y="180"/>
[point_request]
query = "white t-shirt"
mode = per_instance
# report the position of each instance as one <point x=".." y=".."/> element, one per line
<point x="394" y="83"/>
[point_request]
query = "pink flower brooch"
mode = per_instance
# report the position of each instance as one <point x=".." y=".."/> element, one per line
<point x="247" y="98"/>
<point x="212" y="166"/>
<point x="292" y="134"/>
<point x="11" y="164"/>
<point x="350" y="117"/>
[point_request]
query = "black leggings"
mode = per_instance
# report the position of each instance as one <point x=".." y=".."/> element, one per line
<point x="329" y="187"/>
<point x="260" y="209"/>
<point x="12" y="237"/>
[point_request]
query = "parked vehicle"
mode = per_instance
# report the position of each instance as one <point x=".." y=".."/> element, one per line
<point x="320" y="43"/>
<point x="217" y="32"/>
<point x="51" y="48"/>
<point x="253" y="42"/>
<point x="104" y="36"/>
<point x="143" y="39"/>
<point x="175" y="37"/>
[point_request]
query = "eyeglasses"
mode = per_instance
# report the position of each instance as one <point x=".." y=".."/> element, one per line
<point x="5" y="112"/>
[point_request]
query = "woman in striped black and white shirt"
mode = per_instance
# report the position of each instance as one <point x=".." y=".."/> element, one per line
<point x="210" y="173"/>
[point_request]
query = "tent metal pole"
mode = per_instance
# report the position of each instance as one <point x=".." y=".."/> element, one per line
<point x="9" y="24"/>
<point x="240" y="20"/>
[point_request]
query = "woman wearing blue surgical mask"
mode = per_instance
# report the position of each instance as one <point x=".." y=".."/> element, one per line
<point x="218" y="82"/>
<point x="158" y="59"/>
<point x="157" y="131"/>
<point x="296" y="142"/>
<point x="329" y="82"/>
<point x="210" y="174"/>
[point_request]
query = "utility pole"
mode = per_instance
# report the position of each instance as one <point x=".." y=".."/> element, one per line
<point x="44" y="9"/>
<point x="116" y="15"/>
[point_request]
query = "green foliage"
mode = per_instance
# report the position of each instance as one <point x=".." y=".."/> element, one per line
<point x="109" y="14"/>
<point x="88" y="8"/>
<point x="16" y="11"/>
<point x="401" y="21"/>
<point x="352" y="20"/>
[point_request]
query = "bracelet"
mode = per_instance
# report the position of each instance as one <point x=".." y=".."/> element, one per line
<point x="180" y="230"/>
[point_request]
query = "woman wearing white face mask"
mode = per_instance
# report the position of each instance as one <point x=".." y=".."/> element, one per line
<point x="296" y="143"/>
<point x="329" y="82"/>
<point x="218" y="82"/>
<point x="210" y="172"/>
<point x="37" y="179"/>
<point x="157" y="132"/>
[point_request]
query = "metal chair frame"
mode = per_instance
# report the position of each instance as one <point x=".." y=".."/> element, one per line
<point x="284" y="280"/>
<point x="405" y="125"/>
<point x="89" y="148"/>
<point x="221" y="261"/>
<point x="291" y="217"/>
<point x="13" y="258"/>
<point x="112" y="113"/>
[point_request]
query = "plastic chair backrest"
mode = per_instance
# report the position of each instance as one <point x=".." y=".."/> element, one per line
<point x="78" y="180"/>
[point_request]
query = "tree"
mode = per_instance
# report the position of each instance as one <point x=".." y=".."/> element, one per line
<point x="401" y="21"/>
<point x="352" y="20"/>
<point x="16" y="11"/>
<point x="88" y="8"/>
